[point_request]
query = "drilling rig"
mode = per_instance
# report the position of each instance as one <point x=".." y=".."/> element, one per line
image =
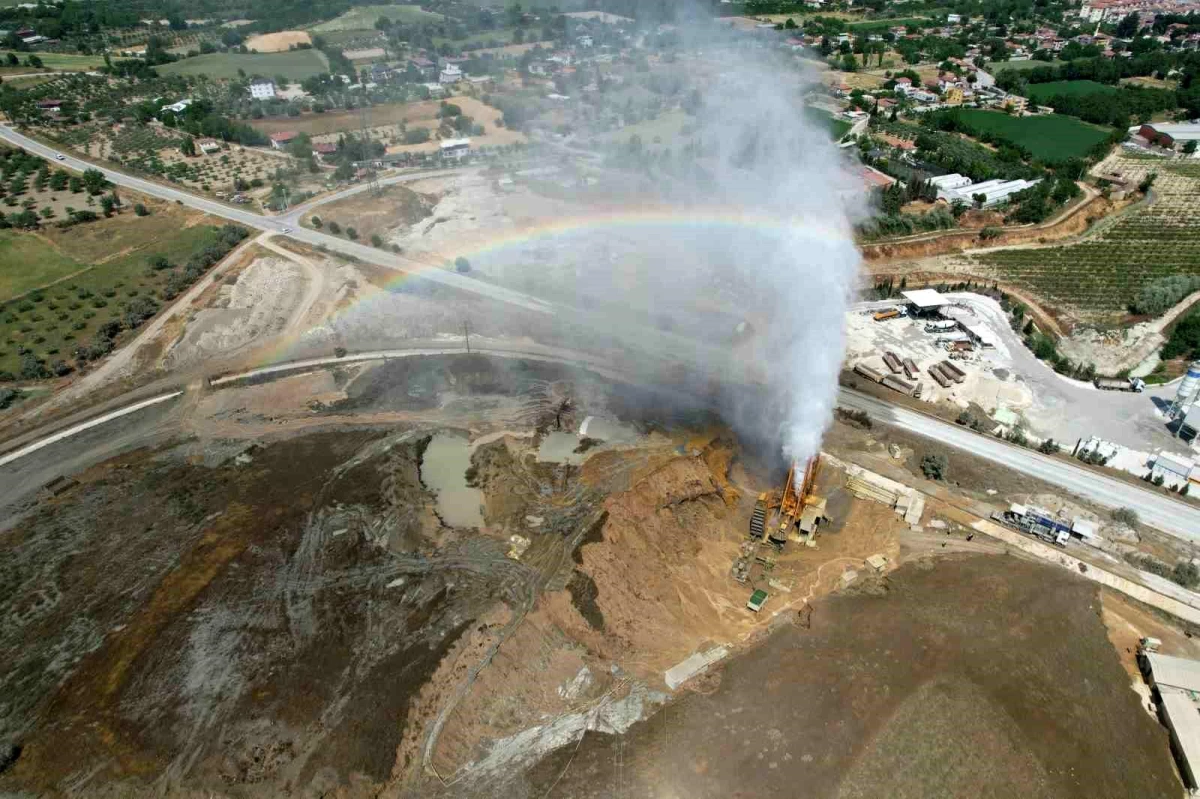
<point x="795" y="512"/>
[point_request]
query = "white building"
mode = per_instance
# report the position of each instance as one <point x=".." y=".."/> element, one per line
<point x="451" y="73"/>
<point x="1177" y="683"/>
<point x="959" y="188"/>
<point x="262" y="89"/>
<point x="1173" y="469"/>
<point x="455" y="148"/>
<point x="175" y="108"/>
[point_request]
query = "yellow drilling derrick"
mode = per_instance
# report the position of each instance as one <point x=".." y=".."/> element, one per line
<point x="797" y="505"/>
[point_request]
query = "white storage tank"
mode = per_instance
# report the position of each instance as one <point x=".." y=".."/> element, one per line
<point x="1190" y="387"/>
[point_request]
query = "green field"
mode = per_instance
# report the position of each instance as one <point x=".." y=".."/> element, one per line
<point x="837" y="126"/>
<point x="364" y="17"/>
<point x="59" y="61"/>
<point x="1102" y="274"/>
<point x="295" y="64"/>
<point x="1050" y="138"/>
<point x="28" y="261"/>
<point x="1020" y="66"/>
<point x="884" y="24"/>
<point x="53" y="321"/>
<point x="1042" y="92"/>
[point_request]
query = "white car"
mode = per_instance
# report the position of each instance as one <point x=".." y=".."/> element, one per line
<point x="60" y="157"/>
<point x="286" y="230"/>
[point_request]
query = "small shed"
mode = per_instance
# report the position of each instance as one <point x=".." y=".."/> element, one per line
<point x="757" y="600"/>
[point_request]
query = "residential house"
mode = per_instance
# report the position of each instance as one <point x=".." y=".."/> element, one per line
<point x="282" y="139"/>
<point x="207" y="146"/>
<point x="175" y="108"/>
<point x="424" y="66"/>
<point x="450" y="74"/>
<point x="323" y="150"/>
<point x="953" y="95"/>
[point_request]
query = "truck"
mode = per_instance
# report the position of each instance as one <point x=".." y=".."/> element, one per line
<point x="890" y="313"/>
<point x="1120" y="384"/>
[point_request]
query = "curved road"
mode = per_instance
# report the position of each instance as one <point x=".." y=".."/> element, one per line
<point x="281" y="226"/>
<point x="1157" y="510"/>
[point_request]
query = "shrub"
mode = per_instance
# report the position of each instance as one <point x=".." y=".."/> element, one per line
<point x="351" y="233"/>
<point x="1125" y="516"/>
<point x="462" y="265"/>
<point x="335" y="228"/>
<point x="934" y="467"/>
<point x="140" y="209"/>
<point x="316" y="222"/>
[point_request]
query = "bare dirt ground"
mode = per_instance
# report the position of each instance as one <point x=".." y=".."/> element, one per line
<point x="284" y="610"/>
<point x="277" y="42"/>
<point x="914" y="688"/>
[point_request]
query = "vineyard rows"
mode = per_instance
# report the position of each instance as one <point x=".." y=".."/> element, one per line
<point x="1100" y="276"/>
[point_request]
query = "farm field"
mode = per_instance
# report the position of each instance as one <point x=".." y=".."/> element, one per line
<point x="1050" y="138"/>
<point x="1042" y="92"/>
<point x="296" y="64"/>
<point x="364" y="17"/>
<point x="277" y="42"/>
<point x="27" y="261"/>
<point x="1098" y="277"/>
<point x="101" y="268"/>
<point x="61" y="61"/>
<point x="1019" y="66"/>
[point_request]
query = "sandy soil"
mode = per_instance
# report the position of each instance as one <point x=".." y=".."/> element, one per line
<point x="926" y="696"/>
<point x="277" y="42"/>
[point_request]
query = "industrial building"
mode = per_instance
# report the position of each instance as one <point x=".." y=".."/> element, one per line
<point x="925" y="302"/>
<point x="959" y="188"/>
<point x="1176" y="685"/>
<point x="1173" y="470"/>
<point x="1170" y="134"/>
<point x="1183" y="406"/>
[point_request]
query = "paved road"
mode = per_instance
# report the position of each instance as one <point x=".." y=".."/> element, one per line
<point x="1157" y="510"/>
<point x="280" y="226"/>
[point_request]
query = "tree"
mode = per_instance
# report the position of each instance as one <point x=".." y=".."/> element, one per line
<point x="934" y="467"/>
<point x="94" y="181"/>
<point x="335" y="228"/>
<point x="462" y="265"/>
<point x="316" y="222"/>
<point x="107" y="204"/>
<point x="1190" y="147"/>
<point x="76" y="184"/>
<point x="188" y="147"/>
<point x="158" y="262"/>
<point x="351" y="233"/>
<point x="35" y="62"/>
<point x="1147" y="182"/>
<point x="140" y="209"/>
<point x="1125" y="516"/>
<point x="376" y="240"/>
<point x="979" y="200"/>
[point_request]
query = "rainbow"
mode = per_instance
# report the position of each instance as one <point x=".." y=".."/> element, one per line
<point x="647" y="218"/>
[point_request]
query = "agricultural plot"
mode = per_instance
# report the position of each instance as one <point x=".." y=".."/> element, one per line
<point x="1050" y="138"/>
<point x="295" y="64"/>
<point x="60" y="62"/>
<point x="1100" y="276"/>
<point x="364" y="17"/>
<point x="1042" y="92"/>
<point x="89" y="282"/>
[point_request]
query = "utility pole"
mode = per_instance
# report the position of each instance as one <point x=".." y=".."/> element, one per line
<point x="467" y="334"/>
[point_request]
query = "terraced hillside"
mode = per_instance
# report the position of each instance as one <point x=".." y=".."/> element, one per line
<point x="1099" y="276"/>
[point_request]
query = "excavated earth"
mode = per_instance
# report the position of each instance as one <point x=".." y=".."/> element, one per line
<point x="282" y="609"/>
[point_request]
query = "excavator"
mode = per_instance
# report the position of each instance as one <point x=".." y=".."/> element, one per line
<point x="796" y="506"/>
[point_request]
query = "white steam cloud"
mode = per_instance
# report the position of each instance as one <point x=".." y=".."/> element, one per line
<point x="749" y="218"/>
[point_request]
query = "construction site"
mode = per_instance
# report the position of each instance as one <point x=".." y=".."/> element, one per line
<point x="526" y="577"/>
<point x="511" y="509"/>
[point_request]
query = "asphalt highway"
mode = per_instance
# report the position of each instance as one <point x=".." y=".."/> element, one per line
<point x="1157" y="510"/>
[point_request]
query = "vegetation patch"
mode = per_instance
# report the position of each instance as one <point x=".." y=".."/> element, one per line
<point x="1050" y="138"/>
<point x="294" y="64"/>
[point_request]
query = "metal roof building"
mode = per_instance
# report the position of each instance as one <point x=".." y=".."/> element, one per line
<point x="1177" y="681"/>
<point x="925" y="299"/>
